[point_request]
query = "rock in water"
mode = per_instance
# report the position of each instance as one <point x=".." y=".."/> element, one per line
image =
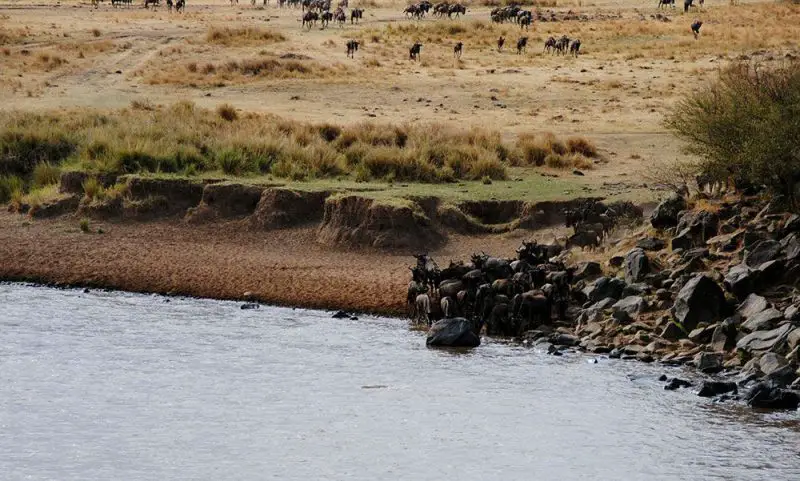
<point x="700" y="300"/>
<point x="454" y="332"/>
<point x="249" y="305"/>
<point x="666" y="213"/>
<point x="714" y="388"/>
<point x="766" y="396"/>
<point x="709" y="362"/>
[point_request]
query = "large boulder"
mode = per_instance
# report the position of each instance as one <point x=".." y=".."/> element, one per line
<point x="790" y="247"/>
<point x="665" y="215"/>
<point x="699" y="300"/>
<point x="763" y="321"/>
<point x="651" y="244"/>
<point x="701" y="225"/>
<point x="708" y="362"/>
<point x="768" y="396"/>
<point x="752" y="305"/>
<point x="771" y="362"/>
<point x="762" y="252"/>
<point x="604" y="287"/>
<point x="453" y="332"/>
<point x="637" y="265"/>
<point x="715" y="388"/>
<point x="587" y="270"/>
<point x="724" y="335"/>
<point x="629" y="308"/>
<point x="741" y="280"/>
<point x="763" y="341"/>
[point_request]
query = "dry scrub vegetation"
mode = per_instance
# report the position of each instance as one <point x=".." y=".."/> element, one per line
<point x="188" y="140"/>
<point x="238" y="36"/>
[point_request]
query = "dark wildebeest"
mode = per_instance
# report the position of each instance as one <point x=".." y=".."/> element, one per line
<point x="180" y="6"/>
<point x="456" y="9"/>
<point x="170" y="5"/>
<point x="458" y="49"/>
<point x="325" y="18"/>
<point x="522" y="44"/>
<point x="550" y="44"/>
<point x="583" y="239"/>
<point x="696" y="28"/>
<point x="352" y="48"/>
<point x="500" y="42"/>
<point x="575" y="47"/>
<point x="422" y="308"/>
<point x="525" y="22"/>
<point x="687" y="4"/>
<point x="413" y="52"/>
<point x="562" y="45"/>
<point x="664" y="3"/>
<point x="309" y="18"/>
<point x="340" y="17"/>
<point x="356" y="14"/>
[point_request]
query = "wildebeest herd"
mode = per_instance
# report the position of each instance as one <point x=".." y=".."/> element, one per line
<point x="511" y="296"/>
<point x="419" y="10"/>
<point x="320" y="11"/>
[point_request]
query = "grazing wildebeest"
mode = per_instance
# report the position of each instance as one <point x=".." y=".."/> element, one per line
<point x="356" y="14"/>
<point x="180" y="6"/>
<point x="500" y="42"/>
<point x="575" y="47"/>
<point x="170" y="5"/>
<point x="309" y="18"/>
<point x="562" y="45"/>
<point x="147" y="3"/>
<point x="687" y="4"/>
<point x="550" y="44"/>
<point x="413" y="52"/>
<point x="325" y="18"/>
<point x="422" y="307"/>
<point x="456" y="9"/>
<point x="522" y="44"/>
<point x="458" y="49"/>
<point x="352" y="48"/>
<point x="664" y="3"/>
<point x="525" y="22"/>
<point x="696" y="28"/>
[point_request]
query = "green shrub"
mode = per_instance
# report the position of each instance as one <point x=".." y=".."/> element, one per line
<point x="234" y="162"/>
<point x="84" y="225"/>
<point x="45" y="174"/>
<point x="9" y="185"/>
<point x="227" y="112"/>
<point x="20" y="151"/>
<point x="92" y="188"/>
<point x="745" y="127"/>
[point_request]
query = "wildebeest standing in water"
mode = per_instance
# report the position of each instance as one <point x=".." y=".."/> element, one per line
<point x="413" y="52"/>
<point x="522" y="44"/>
<point x="352" y="48"/>
<point x="696" y="28"/>
<point x="575" y="47"/>
<point x="500" y="42"/>
<point x="458" y="49"/>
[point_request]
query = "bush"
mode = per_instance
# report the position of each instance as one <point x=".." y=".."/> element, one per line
<point x="227" y="112"/>
<point x="744" y="127"/>
<point x="20" y="151"/>
<point x="580" y="145"/>
<point x="9" y="185"/>
<point x="46" y="174"/>
<point x="92" y="188"/>
<point x="84" y="224"/>
<point x="233" y="162"/>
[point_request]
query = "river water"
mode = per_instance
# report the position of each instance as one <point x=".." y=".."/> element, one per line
<point x="116" y="386"/>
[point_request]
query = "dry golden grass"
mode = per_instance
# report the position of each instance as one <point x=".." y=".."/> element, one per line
<point x="239" y="36"/>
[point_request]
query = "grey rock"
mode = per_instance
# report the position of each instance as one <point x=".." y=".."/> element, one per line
<point x="752" y="305"/>
<point x="638" y="289"/>
<point x="676" y="383"/>
<point x="792" y="223"/>
<point x="663" y="295"/>
<point x="672" y="332"/>
<point x="587" y="270"/>
<point x="715" y="388"/>
<point x="702" y="335"/>
<point x="637" y="265"/>
<point x="708" y="362"/>
<point x="651" y="244"/>
<point x="762" y="252"/>
<point x="724" y="336"/>
<point x="763" y="341"/>
<point x="740" y="280"/>
<point x="683" y="240"/>
<point x="771" y="362"/>
<point x="763" y="321"/>
<point x="768" y="396"/>
<point x="702" y="225"/>
<point x="793" y="339"/>
<point x="453" y="332"/>
<point x="790" y="247"/>
<point x="699" y="300"/>
<point x="792" y="313"/>
<point x="771" y="272"/>
<point x="666" y="213"/>
<point x="561" y="339"/>
<point x="604" y="287"/>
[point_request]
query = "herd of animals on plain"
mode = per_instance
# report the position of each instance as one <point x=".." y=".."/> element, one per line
<point x="511" y="296"/>
<point x="314" y="11"/>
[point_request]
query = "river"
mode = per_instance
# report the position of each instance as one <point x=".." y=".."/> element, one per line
<point x="117" y="386"/>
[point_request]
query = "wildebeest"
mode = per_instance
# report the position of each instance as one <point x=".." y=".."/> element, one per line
<point x="422" y="308"/>
<point x="525" y="22"/>
<point x="154" y="3"/>
<point x="325" y="18"/>
<point x="500" y="42"/>
<point x="562" y="45"/>
<point x="413" y="52"/>
<point x="575" y="47"/>
<point x="458" y="49"/>
<point x="180" y="6"/>
<point x="310" y="18"/>
<point x="522" y="44"/>
<point x="687" y="4"/>
<point x="664" y="3"/>
<point x="352" y="48"/>
<point x="550" y="44"/>
<point x="448" y="307"/>
<point x="456" y="9"/>
<point x="696" y="28"/>
<point x="356" y="14"/>
<point x="340" y="17"/>
<point x="583" y="239"/>
<point x="169" y="5"/>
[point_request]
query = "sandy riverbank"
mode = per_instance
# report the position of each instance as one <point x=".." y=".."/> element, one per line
<point x="220" y="260"/>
